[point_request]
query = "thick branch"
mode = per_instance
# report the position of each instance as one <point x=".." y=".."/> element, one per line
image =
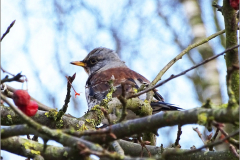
<point x="134" y="150"/>
<point x="128" y="128"/>
<point x="176" y="152"/>
<point x="29" y="148"/>
<point x="231" y="40"/>
<point x="58" y="135"/>
<point x="9" y="117"/>
<point x="151" y="123"/>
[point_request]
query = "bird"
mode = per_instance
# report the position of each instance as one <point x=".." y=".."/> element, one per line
<point x="101" y="64"/>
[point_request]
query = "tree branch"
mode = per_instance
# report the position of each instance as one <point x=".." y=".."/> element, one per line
<point x="231" y="40"/>
<point x="134" y="150"/>
<point x="56" y="135"/>
<point x="29" y="148"/>
<point x="179" y="56"/>
<point x="151" y="123"/>
<point x="182" y="73"/>
<point x="63" y="110"/>
<point x="175" y="152"/>
<point x="8" y="30"/>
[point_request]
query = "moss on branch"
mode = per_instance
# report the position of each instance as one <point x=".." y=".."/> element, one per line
<point x="134" y="150"/>
<point x="231" y="40"/>
<point x="29" y="148"/>
<point x="151" y="123"/>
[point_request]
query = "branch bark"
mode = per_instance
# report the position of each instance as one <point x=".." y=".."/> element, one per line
<point x="134" y="150"/>
<point x="151" y="123"/>
<point x="29" y="148"/>
<point x="231" y="40"/>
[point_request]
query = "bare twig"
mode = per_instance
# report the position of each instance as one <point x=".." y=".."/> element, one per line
<point x="8" y="29"/>
<point x="215" y="135"/>
<point x="199" y="134"/>
<point x="233" y="150"/>
<point x="63" y="110"/>
<point x="85" y="151"/>
<point x="15" y="78"/>
<point x="177" y="145"/>
<point x="4" y="71"/>
<point x="213" y="139"/>
<point x="219" y="8"/>
<point x="143" y="144"/>
<point x="179" y="56"/>
<point x="182" y="73"/>
<point x="231" y="140"/>
<point x="172" y="153"/>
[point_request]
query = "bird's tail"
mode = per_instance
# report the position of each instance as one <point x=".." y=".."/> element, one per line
<point x="163" y="106"/>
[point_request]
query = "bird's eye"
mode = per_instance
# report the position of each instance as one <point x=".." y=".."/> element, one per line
<point x="93" y="61"/>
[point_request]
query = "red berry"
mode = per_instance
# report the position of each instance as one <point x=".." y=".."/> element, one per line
<point x="234" y="4"/>
<point x="30" y="109"/>
<point x="21" y="98"/>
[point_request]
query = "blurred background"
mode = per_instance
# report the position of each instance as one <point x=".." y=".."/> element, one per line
<point x="147" y="34"/>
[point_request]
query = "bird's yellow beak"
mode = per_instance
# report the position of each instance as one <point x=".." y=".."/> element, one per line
<point x="79" y="63"/>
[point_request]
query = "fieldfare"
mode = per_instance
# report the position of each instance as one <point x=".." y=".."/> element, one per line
<point x="101" y="64"/>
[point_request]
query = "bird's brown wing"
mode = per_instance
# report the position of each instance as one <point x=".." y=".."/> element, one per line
<point x="97" y="87"/>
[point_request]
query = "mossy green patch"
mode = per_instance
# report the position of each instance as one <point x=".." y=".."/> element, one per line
<point x="83" y="128"/>
<point x="52" y="114"/>
<point x="35" y="152"/>
<point x="91" y="122"/>
<point x="9" y="117"/>
<point x="202" y="118"/>
<point x="59" y="123"/>
<point x="99" y="114"/>
<point x="65" y="154"/>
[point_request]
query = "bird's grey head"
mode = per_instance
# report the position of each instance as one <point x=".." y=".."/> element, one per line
<point x="100" y="59"/>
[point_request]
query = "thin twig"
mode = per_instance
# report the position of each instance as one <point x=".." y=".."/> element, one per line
<point x="219" y="8"/>
<point x="231" y="140"/>
<point x="233" y="150"/>
<point x="182" y="73"/>
<point x="213" y="139"/>
<point x="63" y="110"/>
<point x="177" y="145"/>
<point x="179" y="56"/>
<point x="15" y="78"/>
<point x="85" y="151"/>
<point x="4" y="71"/>
<point x="199" y="134"/>
<point x="215" y="135"/>
<point x="173" y="153"/>
<point x="8" y="29"/>
<point x="143" y="144"/>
